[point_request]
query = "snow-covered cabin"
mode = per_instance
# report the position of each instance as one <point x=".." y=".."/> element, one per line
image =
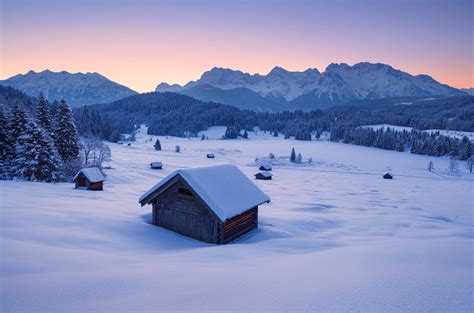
<point x="264" y="175"/>
<point x="90" y="178"/>
<point x="265" y="167"/>
<point x="215" y="204"/>
<point x="210" y="156"/>
<point x="156" y="165"/>
<point x="388" y="175"/>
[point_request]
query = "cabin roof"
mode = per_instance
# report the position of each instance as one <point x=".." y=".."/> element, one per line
<point x="266" y="166"/>
<point x="265" y="174"/>
<point x="224" y="188"/>
<point x="157" y="163"/>
<point x="92" y="174"/>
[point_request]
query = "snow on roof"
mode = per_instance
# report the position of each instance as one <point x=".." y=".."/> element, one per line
<point x="224" y="188"/>
<point x="266" y="166"/>
<point x="92" y="174"/>
<point x="265" y="174"/>
<point x="158" y="163"/>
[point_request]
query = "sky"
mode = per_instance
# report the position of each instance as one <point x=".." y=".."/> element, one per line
<point x="143" y="42"/>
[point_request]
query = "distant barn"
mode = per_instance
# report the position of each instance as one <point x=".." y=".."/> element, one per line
<point x="89" y="178"/>
<point x="264" y="176"/>
<point x="265" y="167"/>
<point x="210" y="156"/>
<point x="156" y="165"/>
<point x="388" y="175"/>
<point x="215" y="204"/>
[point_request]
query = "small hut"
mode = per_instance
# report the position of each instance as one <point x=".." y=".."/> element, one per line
<point x="156" y="165"/>
<point x="263" y="176"/>
<point x="265" y="167"/>
<point x="214" y="204"/>
<point x="89" y="178"/>
<point x="388" y="175"/>
<point x="210" y="156"/>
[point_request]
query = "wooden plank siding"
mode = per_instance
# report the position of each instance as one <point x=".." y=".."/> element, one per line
<point x="179" y="208"/>
<point x="240" y="224"/>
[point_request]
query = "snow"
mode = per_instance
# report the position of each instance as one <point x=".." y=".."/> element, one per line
<point x="215" y="132"/>
<point x="444" y="132"/>
<point x="223" y="187"/>
<point x="92" y="174"/>
<point x="266" y="174"/>
<point x="336" y="237"/>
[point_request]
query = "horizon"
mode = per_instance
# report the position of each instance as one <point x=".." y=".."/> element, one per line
<point x="215" y="67"/>
<point x="141" y="44"/>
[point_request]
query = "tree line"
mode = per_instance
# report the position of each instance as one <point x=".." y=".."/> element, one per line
<point x="417" y="142"/>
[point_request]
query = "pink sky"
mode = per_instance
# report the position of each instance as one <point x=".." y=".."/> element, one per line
<point x="142" y="43"/>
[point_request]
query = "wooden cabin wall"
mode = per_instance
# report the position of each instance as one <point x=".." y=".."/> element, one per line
<point x="96" y="186"/>
<point x="183" y="213"/>
<point x="239" y="225"/>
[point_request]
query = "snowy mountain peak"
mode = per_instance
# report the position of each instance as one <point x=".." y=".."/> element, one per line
<point x="76" y="88"/>
<point x="339" y="83"/>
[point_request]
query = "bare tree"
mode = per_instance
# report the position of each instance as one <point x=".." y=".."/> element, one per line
<point x="299" y="159"/>
<point x="453" y="164"/>
<point x="103" y="155"/>
<point x="88" y="145"/>
<point x="95" y="152"/>
<point x="470" y="164"/>
<point x="430" y="166"/>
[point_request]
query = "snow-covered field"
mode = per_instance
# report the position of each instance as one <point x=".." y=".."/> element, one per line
<point x="335" y="238"/>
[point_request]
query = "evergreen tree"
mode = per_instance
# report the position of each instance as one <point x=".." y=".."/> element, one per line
<point x="6" y="146"/>
<point x="293" y="155"/>
<point x="157" y="145"/>
<point x="245" y="135"/>
<point x="43" y="117"/>
<point x="231" y="132"/>
<point x="36" y="159"/>
<point x="65" y="134"/>
<point x="19" y="122"/>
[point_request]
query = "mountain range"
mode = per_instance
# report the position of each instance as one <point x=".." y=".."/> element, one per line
<point x="76" y="88"/>
<point x="285" y="90"/>
<point x="279" y="90"/>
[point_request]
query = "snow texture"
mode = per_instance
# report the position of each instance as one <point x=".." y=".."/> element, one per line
<point x="337" y="237"/>
<point x="92" y="174"/>
<point x="224" y="188"/>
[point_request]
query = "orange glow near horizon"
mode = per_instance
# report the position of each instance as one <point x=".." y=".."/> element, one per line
<point x="141" y="44"/>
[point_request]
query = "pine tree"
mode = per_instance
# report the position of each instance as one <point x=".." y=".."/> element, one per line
<point x="245" y="135"/>
<point x="293" y="155"/>
<point x="65" y="134"/>
<point x="36" y="159"/>
<point x="25" y="161"/>
<point x="6" y="147"/>
<point x="43" y="118"/>
<point x="157" y="145"/>
<point x="18" y="122"/>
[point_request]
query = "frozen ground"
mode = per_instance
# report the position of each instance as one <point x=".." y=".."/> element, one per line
<point x="335" y="238"/>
